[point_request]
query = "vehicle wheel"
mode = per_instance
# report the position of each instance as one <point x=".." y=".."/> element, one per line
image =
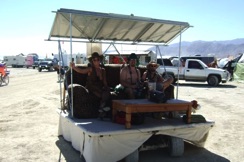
<point x="33" y="67"/>
<point x="1" y="80"/>
<point x="133" y="157"/>
<point x="6" y="80"/>
<point x="176" y="146"/>
<point x="39" y="69"/>
<point x="213" y="80"/>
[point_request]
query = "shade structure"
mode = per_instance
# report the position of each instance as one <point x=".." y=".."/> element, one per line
<point x="98" y="27"/>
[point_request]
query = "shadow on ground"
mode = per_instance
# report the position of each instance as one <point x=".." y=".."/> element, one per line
<point x="67" y="152"/>
<point x="191" y="154"/>
<point x="204" y="85"/>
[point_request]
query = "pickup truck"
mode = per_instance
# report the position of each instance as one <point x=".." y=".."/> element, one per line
<point x="196" y="70"/>
<point x="47" y="64"/>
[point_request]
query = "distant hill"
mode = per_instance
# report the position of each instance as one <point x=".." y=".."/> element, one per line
<point x="219" y="49"/>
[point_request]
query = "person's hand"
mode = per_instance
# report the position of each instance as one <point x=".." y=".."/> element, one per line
<point x="72" y="65"/>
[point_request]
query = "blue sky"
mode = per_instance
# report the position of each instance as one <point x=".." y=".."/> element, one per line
<point x="25" y="24"/>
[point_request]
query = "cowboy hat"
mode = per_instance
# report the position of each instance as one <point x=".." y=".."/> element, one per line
<point x="95" y="55"/>
<point x="152" y="63"/>
<point x="132" y="56"/>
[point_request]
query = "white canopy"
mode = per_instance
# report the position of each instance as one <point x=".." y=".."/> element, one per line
<point x="97" y="27"/>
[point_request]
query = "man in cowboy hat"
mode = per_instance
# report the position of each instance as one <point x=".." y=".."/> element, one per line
<point x="151" y="75"/>
<point x="130" y="77"/>
<point x="96" y="80"/>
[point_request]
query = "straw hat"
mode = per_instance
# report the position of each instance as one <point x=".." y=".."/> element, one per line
<point x="152" y="63"/>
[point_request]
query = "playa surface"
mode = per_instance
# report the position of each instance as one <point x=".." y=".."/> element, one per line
<point x="29" y="121"/>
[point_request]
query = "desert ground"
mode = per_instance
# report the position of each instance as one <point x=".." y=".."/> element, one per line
<point x="29" y="121"/>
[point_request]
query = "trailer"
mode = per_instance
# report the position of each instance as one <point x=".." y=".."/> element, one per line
<point x="15" y="61"/>
<point x="94" y="138"/>
<point x="104" y="140"/>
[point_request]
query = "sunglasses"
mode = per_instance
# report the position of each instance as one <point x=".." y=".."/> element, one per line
<point x="153" y="66"/>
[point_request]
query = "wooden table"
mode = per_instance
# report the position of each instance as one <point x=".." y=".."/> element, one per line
<point x="144" y="105"/>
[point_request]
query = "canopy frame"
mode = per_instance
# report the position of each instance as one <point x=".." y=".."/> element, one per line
<point x="83" y="25"/>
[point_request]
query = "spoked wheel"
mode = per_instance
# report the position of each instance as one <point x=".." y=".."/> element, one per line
<point x="6" y="80"/>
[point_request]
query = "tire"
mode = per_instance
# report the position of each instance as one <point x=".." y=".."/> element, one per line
<point x="39" y="69"/>
<point x="1" y="80"/>
<point x="176" y="146"/>
<point x="213" y="80"/>
<point x="6" y="80"/>
<point x="133" y="157"/>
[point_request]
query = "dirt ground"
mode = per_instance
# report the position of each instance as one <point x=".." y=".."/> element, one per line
<point x="29" y="121"/>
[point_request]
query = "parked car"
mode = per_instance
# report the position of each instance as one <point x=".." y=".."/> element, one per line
<point x="47" y="64"/>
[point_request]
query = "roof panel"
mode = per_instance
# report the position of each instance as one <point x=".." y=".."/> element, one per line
<point x="96" y="27"/>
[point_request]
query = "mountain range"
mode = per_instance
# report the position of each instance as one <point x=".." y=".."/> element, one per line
<point x="219" y="49"/>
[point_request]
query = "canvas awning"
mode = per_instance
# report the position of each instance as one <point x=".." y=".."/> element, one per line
<point x="98" y="27"/>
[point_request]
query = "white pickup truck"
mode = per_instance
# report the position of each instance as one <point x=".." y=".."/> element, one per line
<point x="197" y="71"/>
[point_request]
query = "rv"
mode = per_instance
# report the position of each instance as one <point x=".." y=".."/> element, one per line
<point x="30" y="59"/>
<point x="15" y="61"/>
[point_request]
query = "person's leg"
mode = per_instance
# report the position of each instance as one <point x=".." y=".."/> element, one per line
<point x="169" y="92"/>
<point x="167" y="82"/>
<point x="130" y="93"/>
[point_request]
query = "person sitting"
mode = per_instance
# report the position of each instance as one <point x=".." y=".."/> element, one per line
<point x="130" y="77"/>
<point x="96" y="80"/>
<point x="151" y="75"/>
<point x="164" y="85"/>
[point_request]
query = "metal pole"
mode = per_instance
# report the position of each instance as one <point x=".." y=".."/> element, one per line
<point x="179" y="64"/>
<point x="71" y="70"/>
<point x="59" y="79"/>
